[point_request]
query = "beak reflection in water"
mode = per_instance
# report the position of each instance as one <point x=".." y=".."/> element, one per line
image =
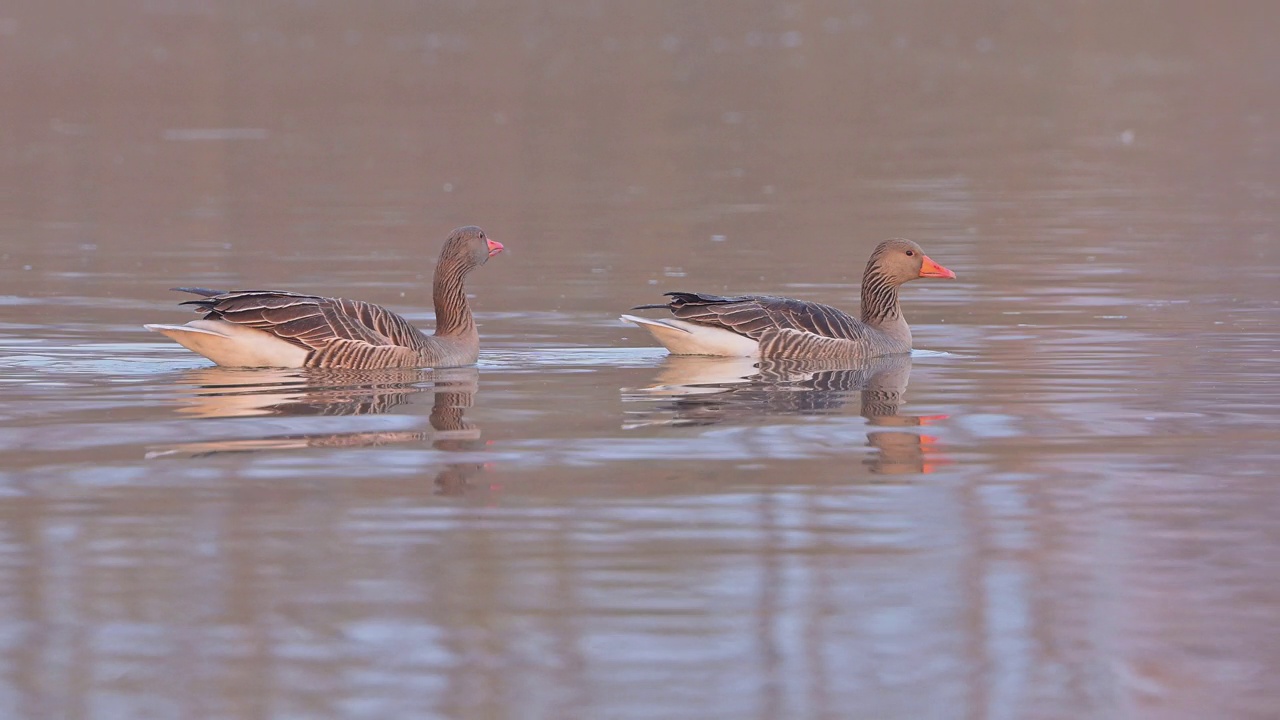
<point x="699" y="391"/>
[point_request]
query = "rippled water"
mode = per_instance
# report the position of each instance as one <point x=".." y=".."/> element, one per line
<point x="1060" y="505"/>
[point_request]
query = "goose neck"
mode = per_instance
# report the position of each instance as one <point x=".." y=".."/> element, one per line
<point x="453" y="312"/>
<point x="879" y="298"/>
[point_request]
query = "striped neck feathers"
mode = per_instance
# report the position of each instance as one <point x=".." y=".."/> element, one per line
<point x="453" y="312"/>
<point x="879" y="296"/>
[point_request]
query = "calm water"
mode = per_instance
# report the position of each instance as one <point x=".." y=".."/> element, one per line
<point x="1063" y="505"/>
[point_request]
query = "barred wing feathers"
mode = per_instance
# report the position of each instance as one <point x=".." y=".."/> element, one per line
<point x="758" y="316"/>
<point x="313" y="322"/>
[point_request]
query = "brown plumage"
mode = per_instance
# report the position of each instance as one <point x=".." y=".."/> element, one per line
<point x="286" y="329"/>
<point x="777" y="327"/>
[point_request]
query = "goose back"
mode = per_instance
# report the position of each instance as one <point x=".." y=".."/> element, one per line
<point x="310" y="321"/>
<point x="757" y="316"/>
<point x="334" y="332"/>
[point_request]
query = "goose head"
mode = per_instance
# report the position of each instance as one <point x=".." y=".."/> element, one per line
<point x="900" y="261"/>
<point x="470" y="247"/>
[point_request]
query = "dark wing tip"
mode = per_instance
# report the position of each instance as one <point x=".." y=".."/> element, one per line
<point x="680" y="298"/>
<point x="198" y="291"/>
<point x="707" y="298"/>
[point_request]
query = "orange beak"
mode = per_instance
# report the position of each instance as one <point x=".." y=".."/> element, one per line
<point x="495" y="247"/>
<point x="932" y="269"/>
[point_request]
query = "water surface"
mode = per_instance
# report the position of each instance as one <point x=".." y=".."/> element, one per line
<point x="1061" y="505"/>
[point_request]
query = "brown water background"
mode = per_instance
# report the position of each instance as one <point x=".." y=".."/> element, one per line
<point x="1070" y="513"/>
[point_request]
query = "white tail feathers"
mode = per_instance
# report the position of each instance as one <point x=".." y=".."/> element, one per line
<point x="686" y="338"/>
<point x="233" y="345"/>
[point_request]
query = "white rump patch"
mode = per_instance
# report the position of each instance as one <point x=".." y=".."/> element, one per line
<point x="686" y="338"/>
<point x="232" y="345"/>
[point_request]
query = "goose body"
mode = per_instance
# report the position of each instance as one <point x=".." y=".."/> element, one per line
<point x="273" y="328"/>
<point x="778" y="327"/>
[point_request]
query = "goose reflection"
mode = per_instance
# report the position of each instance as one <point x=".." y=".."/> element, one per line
<point x="218" y="392"/>
<point x="692" y="391"/>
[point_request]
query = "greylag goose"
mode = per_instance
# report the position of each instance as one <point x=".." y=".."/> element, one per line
<point x="776" y="327"/>
<point x="271" y="328"/>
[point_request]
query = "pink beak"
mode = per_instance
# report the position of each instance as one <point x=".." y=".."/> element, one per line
<point x="495" y="247"/>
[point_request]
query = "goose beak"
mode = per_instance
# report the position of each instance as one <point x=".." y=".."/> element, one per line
<point x="495" y="247"/>
<point x="931" y="269"/>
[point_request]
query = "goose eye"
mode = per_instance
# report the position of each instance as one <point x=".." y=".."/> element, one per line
<point x="911" y="253"/>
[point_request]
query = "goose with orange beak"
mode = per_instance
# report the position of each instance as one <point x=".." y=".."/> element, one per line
<point x="778" y="327"/>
